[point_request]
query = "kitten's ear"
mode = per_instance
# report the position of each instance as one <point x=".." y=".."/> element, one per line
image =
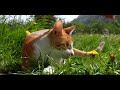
<point x="70" y="29"/>
<point x="58" y="26"/>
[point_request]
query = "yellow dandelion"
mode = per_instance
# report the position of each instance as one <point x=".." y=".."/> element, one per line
<point x="27" y="32"/>
<point x="34" y="23"/>
<point x="119" y="49"/>
<point x="112" y="56"/>
<point x="94" y="52"/>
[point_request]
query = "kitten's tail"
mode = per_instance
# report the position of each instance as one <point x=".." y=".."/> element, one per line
<point x="100" y="47"/>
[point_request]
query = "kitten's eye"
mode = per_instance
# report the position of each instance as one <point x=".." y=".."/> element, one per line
<point x="61" y="46"/>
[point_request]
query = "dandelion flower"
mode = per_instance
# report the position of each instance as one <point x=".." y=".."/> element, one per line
<point x="27" y="32"/>
<point x="112" y="56"/>
<point x="34" y="23"/>
<point x="93" y="52"/>
<point x="119" y="49"/>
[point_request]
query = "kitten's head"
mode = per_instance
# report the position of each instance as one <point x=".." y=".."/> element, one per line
<point x="61" y="39"/>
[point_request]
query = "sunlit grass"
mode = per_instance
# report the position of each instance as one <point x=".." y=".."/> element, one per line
<point x="11" y="46"/>
<point x="12" y="38"/>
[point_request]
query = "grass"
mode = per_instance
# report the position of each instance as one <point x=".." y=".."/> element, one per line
<point x="12" y="41"/>
<point x="101" y="64"/>
<point x="10" y="48"/>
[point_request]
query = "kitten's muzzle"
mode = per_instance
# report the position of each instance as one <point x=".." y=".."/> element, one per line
<point x="69" y="52"/>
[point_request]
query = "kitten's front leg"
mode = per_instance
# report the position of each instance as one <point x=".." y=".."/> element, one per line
<point x="81" y="53"/>
<point x="89" y="54"/>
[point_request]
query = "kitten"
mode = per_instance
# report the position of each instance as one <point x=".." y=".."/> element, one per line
<point x="54" y="44"/>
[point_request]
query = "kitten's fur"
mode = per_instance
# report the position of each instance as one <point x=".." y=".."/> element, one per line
<point x="55" y="43"/>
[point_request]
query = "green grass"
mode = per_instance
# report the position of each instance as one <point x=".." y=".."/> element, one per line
<point x="10" y="48"/>
<point x="12" y="39"/>
<point x="101" y="64"/>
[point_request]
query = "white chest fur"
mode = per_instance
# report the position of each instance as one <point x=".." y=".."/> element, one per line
<point x="42" y="47"/>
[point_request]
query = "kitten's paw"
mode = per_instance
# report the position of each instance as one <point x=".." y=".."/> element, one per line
<point x="49" y="70"/>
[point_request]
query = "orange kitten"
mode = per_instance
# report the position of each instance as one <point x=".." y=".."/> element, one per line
<point x="55" y="43"/>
